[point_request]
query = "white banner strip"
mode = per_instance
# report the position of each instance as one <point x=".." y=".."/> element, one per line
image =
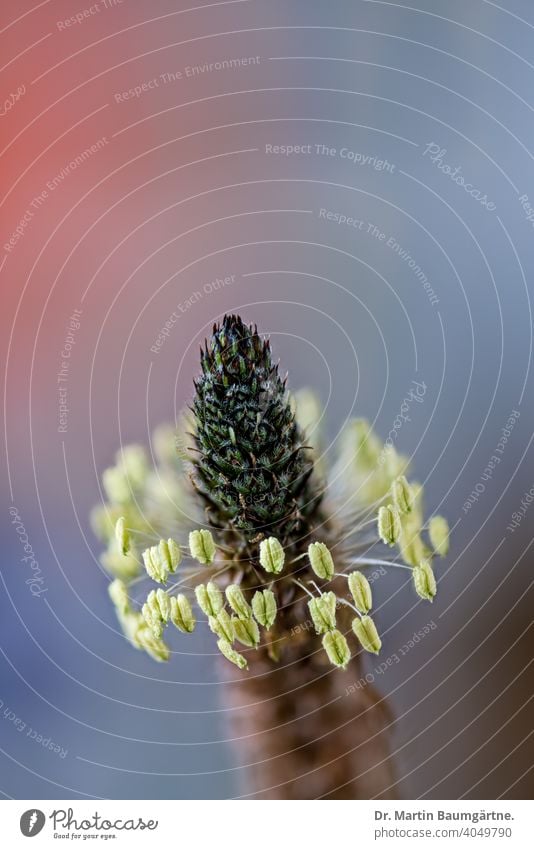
<point x="225" y="823"/>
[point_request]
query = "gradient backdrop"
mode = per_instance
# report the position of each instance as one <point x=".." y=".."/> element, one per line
<point x="140" y="163"/>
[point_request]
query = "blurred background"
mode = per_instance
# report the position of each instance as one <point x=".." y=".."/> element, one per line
<point x="357" y="178"/>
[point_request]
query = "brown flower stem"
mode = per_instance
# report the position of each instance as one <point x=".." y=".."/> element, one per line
<point x="304" y="730"/>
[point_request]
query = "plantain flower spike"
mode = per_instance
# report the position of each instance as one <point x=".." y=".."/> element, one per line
<point x="424" y="580"/>
<point x="272" y="555"/>
<point x="438" y="531"/>
<point x="361" y="592"/>
<point x="238" y="602"/>
<point x="264" y="607"/>
<point x="202" y="547"/>
<point x="242" y="459"/>
<point x="321" y="560"/>
<point x="323" y="612"/>
<point x="389" y="524"/>
<point x="230" y="654"/>
<point x="181" y="614"/>
<point x="365" y="630"/>
<point x="209" y="598"/>
<point x="337" y="648"/>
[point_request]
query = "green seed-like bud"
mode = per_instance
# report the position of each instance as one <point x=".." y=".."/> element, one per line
<point x="122" y="535"/>
<point x="272" y="555"/>
<point x="321" y="560"/>
<point x="164" y="444"/>
<point x="202" y="547"/>
<point x="156" y="566"/>
<point x="164" y="604"/>
<point x="365" y="630"/>
<point x="222" y="626"/>
<point x="389" y="524"/>
<point x="170" y="553"/>
<point x="246" y="631"/>
<point x="230" y="654"/>
<point x="412" y="547"/>
<point x="154" y="646"/>
<point x="238" y="602"/>
<point x="438" y="531"/>
<point x="181" y="614"/>
<point x="402" y="495"/>
<point x="116" y="485"/>
<point x="152" y="619"/>
<point x="361" y="591"/>
<point x="337" y="648"/>
<point x="132" y="459"/>
<point x="424" y="580"/>
<point x="118" y="594"/>
<point x="264" y="607"/>
<point x="209" y="598"/>
<point x="323" y="612"/>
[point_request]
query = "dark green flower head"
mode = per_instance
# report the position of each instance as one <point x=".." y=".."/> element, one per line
<point x="252" y="468"/>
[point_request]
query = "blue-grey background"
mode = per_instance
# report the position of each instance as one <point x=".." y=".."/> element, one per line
<point x="184" y="192"/>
